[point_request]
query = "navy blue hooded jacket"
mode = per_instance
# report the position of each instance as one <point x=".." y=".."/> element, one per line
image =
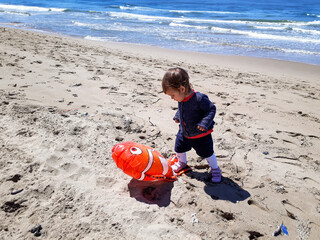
<point x="195" y="110"/>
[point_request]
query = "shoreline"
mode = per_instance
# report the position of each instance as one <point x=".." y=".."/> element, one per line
<point x="272" y="63"/>
<point x="65" y="102"/>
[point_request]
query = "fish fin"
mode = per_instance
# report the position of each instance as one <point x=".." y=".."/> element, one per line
<point x="172" y="160"/>
<point x="161" y="177"/>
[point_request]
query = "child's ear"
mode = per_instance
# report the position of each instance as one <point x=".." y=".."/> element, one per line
<point x="182" y="89"/>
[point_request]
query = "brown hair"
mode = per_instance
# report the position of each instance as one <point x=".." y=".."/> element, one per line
<point x="174" y="78"/>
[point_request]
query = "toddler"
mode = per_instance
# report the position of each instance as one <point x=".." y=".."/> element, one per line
<point x="195" y="115"/>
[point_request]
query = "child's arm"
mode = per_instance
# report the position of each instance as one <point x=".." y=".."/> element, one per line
<point x="210" y="111"/>
<point x="176" y="117"/>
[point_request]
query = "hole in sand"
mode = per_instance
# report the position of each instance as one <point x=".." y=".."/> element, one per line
<point x="15" y="178"/>
<point x="119" y="139"/>
<point x="150" y="194"/>
<point x="254" y="234"/>
<point x="10" y="207"/>
<point x="228" y="216"/>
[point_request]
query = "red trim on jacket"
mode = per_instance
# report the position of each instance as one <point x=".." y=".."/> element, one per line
<point x="201" y="135"/>
<point x="187" y="98"/>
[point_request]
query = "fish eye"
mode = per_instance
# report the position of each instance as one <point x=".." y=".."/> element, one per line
<point x="135" y="150"/>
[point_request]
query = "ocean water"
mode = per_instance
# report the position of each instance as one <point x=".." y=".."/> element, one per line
<point x="286" y="30"/>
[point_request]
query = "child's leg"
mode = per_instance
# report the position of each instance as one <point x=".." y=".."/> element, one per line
<point x="182" y="157"/>
<point x="180" y="162"/>
<point x="204" y="148"/>
<point x="215" y="170"/>
<point x="212" y="161"/>
<point x="181" y="147"/>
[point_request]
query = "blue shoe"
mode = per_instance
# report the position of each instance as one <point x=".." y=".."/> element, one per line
<point x="216" y="175"/>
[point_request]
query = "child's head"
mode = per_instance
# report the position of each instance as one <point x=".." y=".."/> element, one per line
<point x="175" y="83"/>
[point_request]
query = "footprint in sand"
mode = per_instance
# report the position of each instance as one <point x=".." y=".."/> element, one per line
<point x="79" y="173"/>
<point x="51" y="164"/>
<point x="105" y="182"/>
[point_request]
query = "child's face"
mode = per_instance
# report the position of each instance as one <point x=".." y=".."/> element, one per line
<point x="177" y="94"/>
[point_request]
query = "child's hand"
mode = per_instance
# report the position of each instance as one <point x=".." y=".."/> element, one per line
<point x="201" y="128"/>
<point x="176" y="120"/>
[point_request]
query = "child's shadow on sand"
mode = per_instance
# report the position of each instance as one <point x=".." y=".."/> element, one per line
<point x="227" y="189"/>
<point x="158" y="192"/>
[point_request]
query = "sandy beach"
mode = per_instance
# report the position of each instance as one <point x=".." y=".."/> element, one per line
<point x="65" y="102"/>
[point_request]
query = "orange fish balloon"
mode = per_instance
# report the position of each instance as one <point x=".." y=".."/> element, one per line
<point x="142" y="162"/>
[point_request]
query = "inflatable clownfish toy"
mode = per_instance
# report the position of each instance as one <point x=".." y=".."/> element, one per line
<point x="142" y="162"/>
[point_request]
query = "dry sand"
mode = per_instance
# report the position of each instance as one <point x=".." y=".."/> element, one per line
<point x="64" y="103"/>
